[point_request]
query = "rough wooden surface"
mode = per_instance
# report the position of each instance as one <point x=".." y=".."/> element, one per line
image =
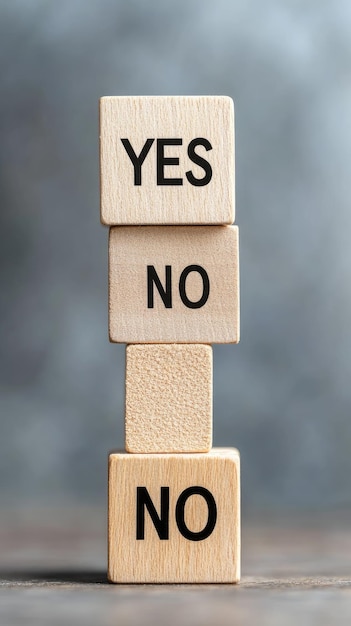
<point x="296" y="570"/>
<point x="167" y="119"/>
<point x="178" y="554"/>
<point x="168" y="404"/>
<point x="136" y="316"/>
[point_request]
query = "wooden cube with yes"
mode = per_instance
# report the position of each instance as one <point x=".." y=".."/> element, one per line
<point x="167" y="160"/>
<point x="174" y="518"/>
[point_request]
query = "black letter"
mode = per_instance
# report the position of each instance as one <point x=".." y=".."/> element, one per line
<point x="160" y="523"/>
<point x="199" y="182"/>
<point x="137" y="160"/>
<point x="166" y="294"/>
<point x="162" y="161"/>
<point x="206" y="287"/>
<point x="212" y="513"/>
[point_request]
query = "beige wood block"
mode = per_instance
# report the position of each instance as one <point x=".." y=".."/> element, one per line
<point x="168" y="398"/>
<point x="167" y="160"/>
<point x="174" y="518"/>
<point x="174" y="284"/>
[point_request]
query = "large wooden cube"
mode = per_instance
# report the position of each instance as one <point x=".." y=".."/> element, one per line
<point x="174" y="284"/>
<point x="174" y="518"/>
<point x="167" y="160"/>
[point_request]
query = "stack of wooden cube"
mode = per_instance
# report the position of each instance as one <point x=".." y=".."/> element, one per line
<point x="167" y="194"/>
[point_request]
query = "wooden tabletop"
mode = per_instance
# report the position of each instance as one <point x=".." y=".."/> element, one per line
<point x="296" y="570"/>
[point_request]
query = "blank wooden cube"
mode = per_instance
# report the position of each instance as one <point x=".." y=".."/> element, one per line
<point x="174" y="518"/>
<point x="167" y="160"/>
<point x="168" y="398"/>
<point x="174" y="284"/>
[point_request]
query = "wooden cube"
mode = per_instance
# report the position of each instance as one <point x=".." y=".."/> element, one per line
<point x="174" y="518"/>
<point x="174" y="284"/>
<point x="168" y="398"/>
<point x="167" y="160"/>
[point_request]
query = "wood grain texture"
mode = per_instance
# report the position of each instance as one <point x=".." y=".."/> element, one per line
<point x="168" y="398"/>
<point x="185" y="118"/>
<point x="176" y="559"/>
<point x="215" y="249"/>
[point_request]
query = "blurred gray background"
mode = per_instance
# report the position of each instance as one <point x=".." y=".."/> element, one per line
<point x="283" y="396"/>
